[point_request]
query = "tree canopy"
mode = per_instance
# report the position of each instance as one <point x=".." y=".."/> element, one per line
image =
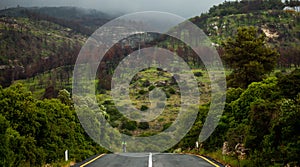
<point x="37" y="132"/>
<point x="248" y="55"/>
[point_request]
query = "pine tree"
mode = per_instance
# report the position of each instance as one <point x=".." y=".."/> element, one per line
<point x="249" y="57"/>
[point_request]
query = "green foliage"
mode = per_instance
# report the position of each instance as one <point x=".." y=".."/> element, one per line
<point x="151" y="88"/>
<point x="233" y="94"/>
<point x="36" y="132"/>
<point x="260" y="121"/>
<point x="129" y="125"/>
<point x="281" y="27"/>
<point x="143" y="108"/>
<point x="256" y="91"/>
<point x="263" y="119"/>
<point x="249" y="57"/>
<point x="167" y="125"/>
<point x="198" y="74"/>
<point x="288" y="126"/>
<point x="192" y="136"/>
<point x="171" y="90"/>
<point x="143" y="125"/>
<point x="289" y="84"/>
<point x="244" y="6"/>
<point x="9" y="140"/>
<point x="142" y="92"/>
<point x="65" y="97"/>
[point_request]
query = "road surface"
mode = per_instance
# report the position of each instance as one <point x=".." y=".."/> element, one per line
<point x="148" y="160"/>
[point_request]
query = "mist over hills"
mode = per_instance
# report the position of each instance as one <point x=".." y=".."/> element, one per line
<point x="82" y="17"/>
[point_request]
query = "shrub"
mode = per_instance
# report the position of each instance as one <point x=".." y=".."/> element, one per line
<point x="172" y="91"/>
<point x="151" y="87"/>
<point x="144" y="107"/>
<point x="129" y="125"/>
<point x="198" y="74"/>
<point x="141" y="92"/>
<point x="143" y="125"/>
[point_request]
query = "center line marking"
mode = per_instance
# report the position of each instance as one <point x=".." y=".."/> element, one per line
<point x="150" y="160"/>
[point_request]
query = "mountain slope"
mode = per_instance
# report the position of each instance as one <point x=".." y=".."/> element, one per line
<point x="35" y="40"/>
<point x="280" y="26"/>
<point x="32" y="46"/>
<point x="84" y="21"/>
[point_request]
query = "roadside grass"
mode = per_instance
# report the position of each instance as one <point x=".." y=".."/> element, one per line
<point x="61" y="164"/>
<point x="225" y="160"/>
<point x="233" y="161"/>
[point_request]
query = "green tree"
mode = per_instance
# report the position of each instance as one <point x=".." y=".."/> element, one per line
<point x="288" y="123"/>
<point x="266" y="89"/>
<point x="65" y="97"/>
<point x="249" y="56"/>
<point x="18" y="126"/>
<point x="35" y="132"/>
<point x="289" y="84"/>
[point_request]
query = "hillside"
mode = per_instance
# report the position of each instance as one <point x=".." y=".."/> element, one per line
<point x="81" y="20"/>
<point x="50" y="37"/>
<point x="280" y="26"/>
<point x="29" y="47"/>
<point x="36" y="40"/>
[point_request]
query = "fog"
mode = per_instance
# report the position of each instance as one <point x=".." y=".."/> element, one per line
<point x="184" y="8"/>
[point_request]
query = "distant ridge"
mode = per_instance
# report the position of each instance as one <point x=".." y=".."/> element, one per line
<point x="64" y="12"/>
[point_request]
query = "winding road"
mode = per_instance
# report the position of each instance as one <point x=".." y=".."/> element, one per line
<point x="148" y="160"/>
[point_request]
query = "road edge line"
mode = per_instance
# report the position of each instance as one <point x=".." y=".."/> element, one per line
<point x="209" y="161"/>
<point x="92" y="160"/>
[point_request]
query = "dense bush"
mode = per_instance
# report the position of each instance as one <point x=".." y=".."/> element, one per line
<point x="198" y="74"/>
<point x="129" y="125"/>
<point x="143" y="125"/>
<point x="36" y="132"/>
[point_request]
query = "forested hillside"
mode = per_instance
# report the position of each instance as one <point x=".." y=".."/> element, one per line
<point x="259" y="123"/>
<point x="36" y="40"/>
<point x="282" y="27"/>
<point x="259" y="126"/>
<point x="30" y="47"/>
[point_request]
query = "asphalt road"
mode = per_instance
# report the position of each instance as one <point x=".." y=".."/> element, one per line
<point x="148" y="160"/>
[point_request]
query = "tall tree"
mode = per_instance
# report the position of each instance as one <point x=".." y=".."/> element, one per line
<point x="290" y="84"/>
<point x="249" y="56"/>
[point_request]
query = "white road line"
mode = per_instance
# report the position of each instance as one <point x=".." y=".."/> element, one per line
<point x="150" y="160"/>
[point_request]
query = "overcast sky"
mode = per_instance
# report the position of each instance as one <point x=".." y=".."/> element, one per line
<point x="184" y="8"/>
